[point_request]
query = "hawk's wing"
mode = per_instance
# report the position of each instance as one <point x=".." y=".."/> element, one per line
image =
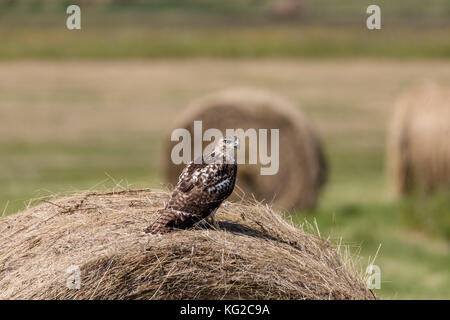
<point x="203" y="184"/>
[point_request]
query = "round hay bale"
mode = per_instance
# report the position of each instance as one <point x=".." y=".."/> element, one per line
<point x="255" y="254"/>
<point x="302" y="166"/>
<point x="418" y="152"/>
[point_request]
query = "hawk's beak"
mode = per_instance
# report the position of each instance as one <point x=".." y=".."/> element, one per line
<point x="237" y="145"/>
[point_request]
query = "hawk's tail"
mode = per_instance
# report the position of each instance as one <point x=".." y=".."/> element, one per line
<point x="168" y="220"/>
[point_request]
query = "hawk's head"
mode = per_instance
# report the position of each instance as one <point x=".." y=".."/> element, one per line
<point x="226" y="146"/>
<point x="228" y="142"/>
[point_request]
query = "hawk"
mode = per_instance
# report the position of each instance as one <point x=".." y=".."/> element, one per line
<point x="202" y="186"/>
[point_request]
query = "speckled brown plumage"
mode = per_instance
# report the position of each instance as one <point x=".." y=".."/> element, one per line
<point x="202" y="186"/>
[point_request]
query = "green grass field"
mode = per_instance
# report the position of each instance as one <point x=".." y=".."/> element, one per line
<point x="70" y="126"/>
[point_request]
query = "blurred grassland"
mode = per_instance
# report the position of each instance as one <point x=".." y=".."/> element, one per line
<point x="67" y="126"/>
<point x="194" y="28"/>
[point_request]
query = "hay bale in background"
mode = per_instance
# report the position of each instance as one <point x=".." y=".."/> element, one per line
<point x="254" y="255"/>
<point x="287" y="9"/>
<point x="419" y="141"/>
<point x="302" y="166"/>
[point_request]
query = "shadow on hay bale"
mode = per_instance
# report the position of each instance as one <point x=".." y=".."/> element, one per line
<point x="302" y="165"/>
<point x="255" y="254"/>
<point x="418" y="152"/>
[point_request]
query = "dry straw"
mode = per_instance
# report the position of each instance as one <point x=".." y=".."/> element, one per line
<point x="302" y="166"/>
<point x="255" y="254"/>
<point x="418" y="153"/>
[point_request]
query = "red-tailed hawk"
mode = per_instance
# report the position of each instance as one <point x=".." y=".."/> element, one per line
<point x="201" y="188"/>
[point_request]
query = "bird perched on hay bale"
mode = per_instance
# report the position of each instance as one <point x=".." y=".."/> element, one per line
<point x="91" y="246"/>
<point x="302" y="167"/>
<point x="201" y="188"/>
<point x="419" y="141"/>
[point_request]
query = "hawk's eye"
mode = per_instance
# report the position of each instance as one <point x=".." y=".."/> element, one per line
<point x="227" y="141"/>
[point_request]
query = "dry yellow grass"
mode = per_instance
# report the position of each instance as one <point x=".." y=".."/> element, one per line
<point x="254" y="255"/>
